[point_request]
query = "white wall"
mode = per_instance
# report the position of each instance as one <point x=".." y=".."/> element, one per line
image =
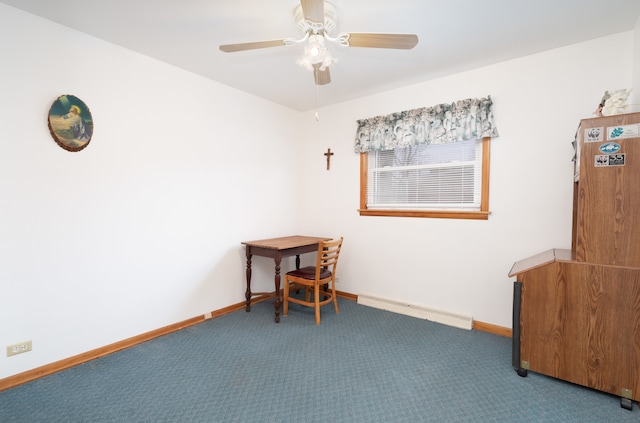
<point x="461" y="266"/>
<point x="142" y="228"/>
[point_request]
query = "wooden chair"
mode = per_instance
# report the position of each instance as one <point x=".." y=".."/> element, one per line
<point x="322" y="274"/>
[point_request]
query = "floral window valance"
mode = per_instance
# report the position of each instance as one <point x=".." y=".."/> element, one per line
<point x="462" y="120"/>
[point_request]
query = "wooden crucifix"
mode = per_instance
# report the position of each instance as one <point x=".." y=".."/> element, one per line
<point x="328" y="154"/>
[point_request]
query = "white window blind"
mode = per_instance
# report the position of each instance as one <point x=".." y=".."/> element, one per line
<point x="426" y="177"/>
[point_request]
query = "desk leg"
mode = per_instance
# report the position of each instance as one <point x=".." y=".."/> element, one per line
<point x="277" y="302"/>
<point x="247" y="294"/>
<point x="297" y="261"/>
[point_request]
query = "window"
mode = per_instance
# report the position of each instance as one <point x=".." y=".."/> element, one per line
<point x="427" y="162"/>
<point x="448" y="180"/>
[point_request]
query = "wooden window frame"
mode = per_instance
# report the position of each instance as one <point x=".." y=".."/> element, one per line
<point x="482" y="214"/>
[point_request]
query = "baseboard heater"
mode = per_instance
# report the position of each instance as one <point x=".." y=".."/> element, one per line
<point x="444" y="317"/>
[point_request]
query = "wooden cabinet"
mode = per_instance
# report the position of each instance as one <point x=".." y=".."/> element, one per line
<point x="576" y="312"/>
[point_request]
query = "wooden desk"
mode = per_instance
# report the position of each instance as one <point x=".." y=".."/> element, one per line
<point x="277" y="248"/>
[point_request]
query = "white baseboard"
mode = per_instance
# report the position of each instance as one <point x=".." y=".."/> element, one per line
<point x="444" y="317"/>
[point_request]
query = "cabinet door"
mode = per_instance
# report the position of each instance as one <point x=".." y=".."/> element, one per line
<point x="607" y="196"/>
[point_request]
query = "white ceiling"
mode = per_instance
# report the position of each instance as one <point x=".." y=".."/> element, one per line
<point x="454" y="35"/>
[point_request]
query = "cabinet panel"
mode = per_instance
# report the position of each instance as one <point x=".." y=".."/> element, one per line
<point x="581" y="323"/>
<point x="607" y="196"/>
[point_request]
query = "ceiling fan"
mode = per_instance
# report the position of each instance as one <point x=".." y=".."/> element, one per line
<point x="316" y="19"/>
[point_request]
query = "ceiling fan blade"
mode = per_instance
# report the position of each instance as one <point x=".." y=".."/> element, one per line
<point x="313" y="10"/>
<point x="230" y="48"/>
<point x="321" y="77"/>
<point x="401" y="41"/>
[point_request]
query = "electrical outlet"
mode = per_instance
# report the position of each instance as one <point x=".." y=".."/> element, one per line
<point x="337" y="280"/>
<point x="208" y="316"/>
<point x="19" y="348"/>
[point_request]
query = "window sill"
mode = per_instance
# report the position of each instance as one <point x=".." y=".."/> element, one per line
<point x="443" y="214"/>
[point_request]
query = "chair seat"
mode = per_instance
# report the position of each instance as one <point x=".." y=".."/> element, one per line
<point x="309" y="272"/>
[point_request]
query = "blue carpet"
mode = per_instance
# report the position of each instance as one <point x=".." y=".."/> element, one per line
<point x="363" y="365"/>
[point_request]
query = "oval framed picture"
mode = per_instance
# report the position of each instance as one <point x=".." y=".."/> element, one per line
<point x="70" y="123"/>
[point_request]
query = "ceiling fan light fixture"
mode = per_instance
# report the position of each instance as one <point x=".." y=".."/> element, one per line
<point x="315" y="52"/>
<point x="315" y="46"/>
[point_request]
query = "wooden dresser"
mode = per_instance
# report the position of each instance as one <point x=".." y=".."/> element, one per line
<point x="576" y="313"/>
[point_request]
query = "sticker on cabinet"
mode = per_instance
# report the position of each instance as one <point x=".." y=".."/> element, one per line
<point x="623" y="131"/>
<point x="606" y="160"/>
<point x="594" y="134"/>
